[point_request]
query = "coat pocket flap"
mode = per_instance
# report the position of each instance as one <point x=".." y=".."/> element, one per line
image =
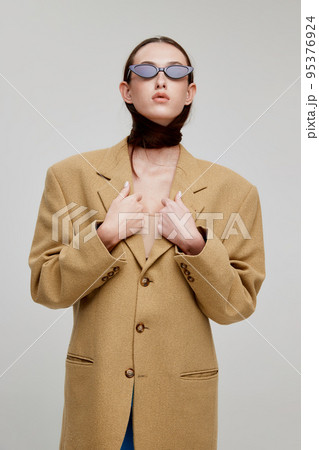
<point x="199" y="374"/>
<point x="78" y="359"/>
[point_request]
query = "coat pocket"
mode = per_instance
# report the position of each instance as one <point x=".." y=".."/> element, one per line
<point x="78" y="359"/>
<point x="199" y="374"/>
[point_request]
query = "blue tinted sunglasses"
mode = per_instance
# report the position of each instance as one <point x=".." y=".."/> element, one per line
<point x="149" y="71"/>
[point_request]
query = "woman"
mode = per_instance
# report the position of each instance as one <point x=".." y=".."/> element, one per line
<point x="148" y="273"/>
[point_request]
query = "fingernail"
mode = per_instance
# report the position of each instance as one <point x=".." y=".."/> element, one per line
<point x="126" y="183"/>
<point x="179" y="194"/>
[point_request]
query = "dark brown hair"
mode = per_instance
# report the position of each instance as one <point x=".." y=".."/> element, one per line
<point x="146" y="133"/>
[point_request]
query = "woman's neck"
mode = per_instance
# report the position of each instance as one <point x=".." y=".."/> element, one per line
<point x="164" y="156"/>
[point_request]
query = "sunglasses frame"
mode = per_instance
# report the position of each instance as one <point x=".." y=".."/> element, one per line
<point x="160" y="69"/>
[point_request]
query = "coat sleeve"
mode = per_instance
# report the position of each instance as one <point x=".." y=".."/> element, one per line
<point x="227" y="276"/>
<point x="63" y="273"/>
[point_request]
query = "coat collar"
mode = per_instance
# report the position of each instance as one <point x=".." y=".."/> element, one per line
<point x="115" y="168"/>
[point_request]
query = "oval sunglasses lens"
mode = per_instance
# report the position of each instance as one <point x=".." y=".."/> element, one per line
<point x="145" y="71"/>
<point x="177" y="71"/>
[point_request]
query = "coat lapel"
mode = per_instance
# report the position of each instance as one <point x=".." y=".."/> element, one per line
<point x="116" y="169"/>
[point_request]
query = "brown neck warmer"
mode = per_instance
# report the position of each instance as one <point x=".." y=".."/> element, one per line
<point x="148" y="134"/>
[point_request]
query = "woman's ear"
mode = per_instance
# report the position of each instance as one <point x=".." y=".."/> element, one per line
<point x="125" y="92"/>
<point x="191" y="91"/>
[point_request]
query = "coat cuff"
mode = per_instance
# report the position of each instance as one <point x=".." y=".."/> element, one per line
<point x="208" y="265"/>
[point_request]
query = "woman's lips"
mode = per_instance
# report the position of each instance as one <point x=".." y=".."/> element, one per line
<point x="160" y="99"/>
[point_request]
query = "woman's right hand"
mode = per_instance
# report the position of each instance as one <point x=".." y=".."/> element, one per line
<point x="118" y="226"/>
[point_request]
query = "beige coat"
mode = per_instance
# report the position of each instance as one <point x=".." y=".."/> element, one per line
<point x="143" y="321"/>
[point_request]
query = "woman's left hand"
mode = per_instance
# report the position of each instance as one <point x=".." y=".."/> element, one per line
<point x="178" y="226"/>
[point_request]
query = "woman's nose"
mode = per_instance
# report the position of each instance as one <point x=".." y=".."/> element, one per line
<point x="160" y="79"/>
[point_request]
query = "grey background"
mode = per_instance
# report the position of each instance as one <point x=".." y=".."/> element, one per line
<point x="66" y="59"/>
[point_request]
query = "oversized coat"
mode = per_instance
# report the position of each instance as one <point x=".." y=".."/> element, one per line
<point x="138" y="321"/>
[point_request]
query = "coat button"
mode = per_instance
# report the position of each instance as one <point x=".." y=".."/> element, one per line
<point x="145" y="281"/>
<point x="187" y="272"/>
<point x="105" y="278"/>
<point x="183" y="265"/>
<point x="116" y="269"/>
<point x="129" y="373"/>
<point x="190" y="278"/>
<point x="110" y="274"/>
<point x="140" y="327"/>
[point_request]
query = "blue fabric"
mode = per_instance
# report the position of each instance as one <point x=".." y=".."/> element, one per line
<point x="128" y="439"/>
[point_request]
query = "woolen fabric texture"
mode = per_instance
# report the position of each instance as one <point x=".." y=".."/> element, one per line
<point x="173" y="361"/>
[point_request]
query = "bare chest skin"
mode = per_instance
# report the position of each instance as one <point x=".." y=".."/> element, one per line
<point x="153" y="187"/>
<point x="154" y="183"/>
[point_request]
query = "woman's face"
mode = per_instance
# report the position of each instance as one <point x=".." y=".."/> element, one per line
<point x="141" y="90"/>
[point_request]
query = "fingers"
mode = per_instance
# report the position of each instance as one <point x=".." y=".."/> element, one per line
<point x="139" y="196"/>
<point x="125" y="191"/>
<point x="167" y="201"/>
<point x="164" y="201"/>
